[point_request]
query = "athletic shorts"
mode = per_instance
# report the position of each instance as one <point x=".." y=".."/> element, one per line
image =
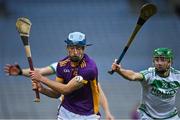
<point x="143" y="116"/>
<point x="64" y="114"/>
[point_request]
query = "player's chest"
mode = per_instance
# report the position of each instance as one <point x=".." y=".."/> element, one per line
<point x="70" y="72"/>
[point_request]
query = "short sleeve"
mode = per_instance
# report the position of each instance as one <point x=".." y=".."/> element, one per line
<point x="147" y="74"/>
<point x="53" y="66"/>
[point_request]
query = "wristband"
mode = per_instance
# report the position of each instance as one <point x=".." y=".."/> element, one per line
<point x="20" y="70"/>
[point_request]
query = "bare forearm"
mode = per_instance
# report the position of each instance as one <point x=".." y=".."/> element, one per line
<point x="25" y="72"/>
<point x="74" y="84"/>
<point x="50" y="93"/>
<point x="104" y="104"/>
<point x="59" y="87"/>
<point x="43" y="71"/>
<point x="127" y="74"/>
<point x="103" y="101"/>
<point x="64" y="89"/>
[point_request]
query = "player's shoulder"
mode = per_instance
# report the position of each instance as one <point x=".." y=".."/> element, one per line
<point x="150" y="70"/>
<point x="63" y="62"/>
<point x="175" y="71"/>
<point x="90" y="64"/>
<point x="89" y="60"/>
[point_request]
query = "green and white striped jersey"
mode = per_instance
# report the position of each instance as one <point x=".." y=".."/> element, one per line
<point x="53" y="66"/>
<point x="158" y="94"/>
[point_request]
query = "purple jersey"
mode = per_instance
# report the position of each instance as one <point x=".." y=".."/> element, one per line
<point x="84" y="101"/>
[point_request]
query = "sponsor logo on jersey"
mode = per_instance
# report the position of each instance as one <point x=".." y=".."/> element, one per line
<point x="164" y="89"/>
<point x="66" y="70"/>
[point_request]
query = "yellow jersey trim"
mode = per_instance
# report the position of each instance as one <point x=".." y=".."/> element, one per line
<point x="95" y="94"/>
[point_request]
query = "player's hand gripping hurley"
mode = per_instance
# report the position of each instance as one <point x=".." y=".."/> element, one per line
<point x="23" y="26"/>
<point x="146" y="12"/>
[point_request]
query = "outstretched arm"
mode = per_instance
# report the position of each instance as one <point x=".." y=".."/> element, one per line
<point x="104" y="104"/>
<point x="16" y="70"/>
<point x="127" y="74"/>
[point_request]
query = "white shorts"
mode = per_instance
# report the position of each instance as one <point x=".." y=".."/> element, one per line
<point x="143" y="116"/>
<point x="64" y="114"/>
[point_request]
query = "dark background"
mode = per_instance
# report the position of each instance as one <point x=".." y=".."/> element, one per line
<point x="106" y="23"/>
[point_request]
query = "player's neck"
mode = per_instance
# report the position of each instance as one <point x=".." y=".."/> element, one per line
<point x="74" y="64"/>
<point x="163" y="74"/>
